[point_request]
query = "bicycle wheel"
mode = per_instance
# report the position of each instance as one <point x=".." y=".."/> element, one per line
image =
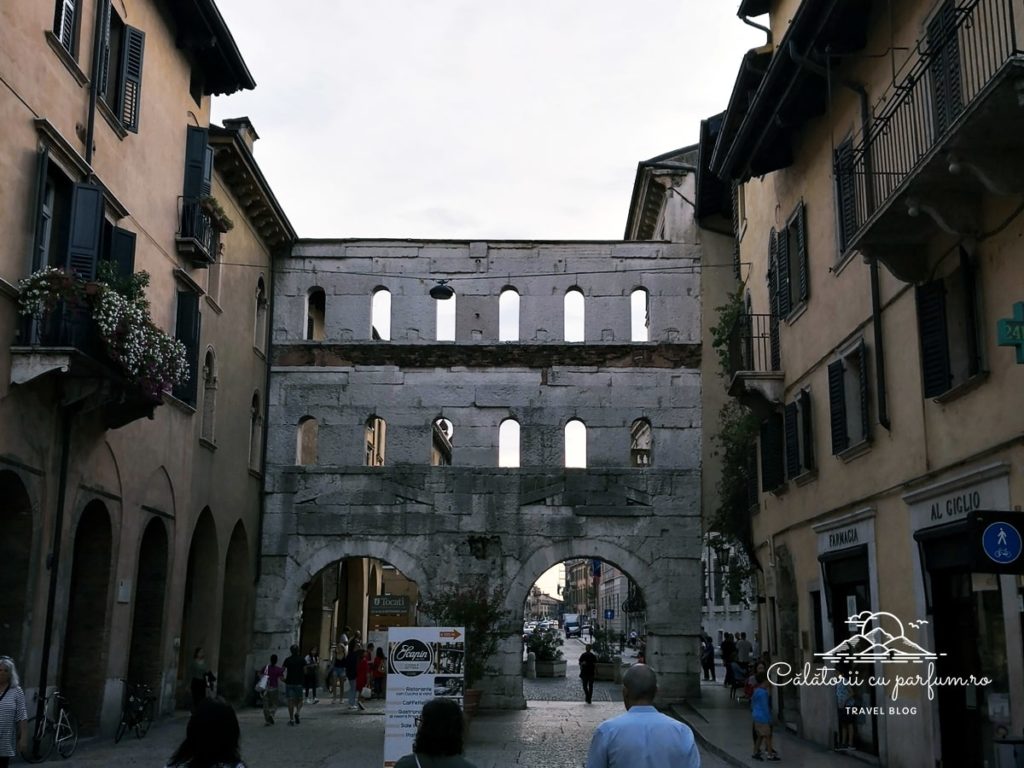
<point x="45" y="741"/>
<point x="67" y="734"/>
<point x="122" y="727"/>
<point x="145" y="720"/>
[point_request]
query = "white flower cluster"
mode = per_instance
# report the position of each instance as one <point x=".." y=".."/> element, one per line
<point x="40" y="291"/>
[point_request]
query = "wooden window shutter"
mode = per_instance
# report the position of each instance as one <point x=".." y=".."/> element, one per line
<point x="772" y="453"/>
<point x="38" y="244"/>
<point x="807" y="425"/>
<point x="837" y="407"/>
<point x="86" y="228"/>
<point x="122" y="251"/>
<point x="187" y="327"/>
<point x="803" y="284"/>
<point x="865" y="401"/>
<point x="774" y="346"/>
<point x="64" y="24"/>
<point x="944" y="52"/>
<point x="131" y="78"/>
<point x="105" y="51"/>
<point x="931" y="320"/>
<point x="792" y="428"/>
<point x="782" y="280"/>
<point x="207" y="185"/>
<point x="845" y="193"/>
<point x="969" y="277"/>
<point x="196" y="142"/>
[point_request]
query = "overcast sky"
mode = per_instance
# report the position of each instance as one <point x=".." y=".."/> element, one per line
<point x="475" y="119"/>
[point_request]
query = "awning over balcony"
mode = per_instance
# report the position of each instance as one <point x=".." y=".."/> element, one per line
<point x="758" y="128"/>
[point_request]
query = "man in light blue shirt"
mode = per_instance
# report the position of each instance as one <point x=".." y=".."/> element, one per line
<point x="642" y="737"/>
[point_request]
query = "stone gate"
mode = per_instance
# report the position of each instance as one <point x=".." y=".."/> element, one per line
<point x="383" y="441"/>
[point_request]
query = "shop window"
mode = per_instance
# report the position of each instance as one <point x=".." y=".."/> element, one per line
<point x="121" y="71"/>
<point x="575" y="444"/>
<point x="508" y="443"/>
<point x="260" y="324"/>
<point x="641" y="441"/>
<point x="255" y="432"/>
<point x="575" y="317"/>
<point x="187" y="328"/>
<point x="947" y="320"/>
<point x="640" y="320"/>
<point x="441" y="432"/>
<point x="771" y="440"/>
<point x="65" y="24"/>
<point x="508" y="315"/>
<point x="316" y="312"/>
<point x="799" y="437"/>
<point x="848" y="399"/>
<point x="209" y="396"/>
<point x="445" y="318"/>
<point x="380" y="315"/>
<point x="306" y="438"/>
<point x="376" y="437"/>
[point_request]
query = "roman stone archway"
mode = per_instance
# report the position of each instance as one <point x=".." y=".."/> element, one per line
<point x="15" y="554"/>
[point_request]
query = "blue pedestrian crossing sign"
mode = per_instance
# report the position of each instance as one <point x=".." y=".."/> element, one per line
<point x="997" y="541"/>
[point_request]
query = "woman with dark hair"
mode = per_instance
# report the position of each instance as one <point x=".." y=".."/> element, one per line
<point x="438" y="742"/>
<point x="380" y="673"/>
<point x="211" y="739"/>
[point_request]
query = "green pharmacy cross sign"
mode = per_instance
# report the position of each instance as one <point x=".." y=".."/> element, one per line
<point x="1011" y="332"/>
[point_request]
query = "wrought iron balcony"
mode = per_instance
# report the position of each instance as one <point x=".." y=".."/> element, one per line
<point x="755" y="362"/>
<point x="197" y="237"/>
<point x="947" y="135"/>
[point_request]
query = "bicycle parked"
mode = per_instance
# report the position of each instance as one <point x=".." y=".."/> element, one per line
<point x="59" y="730"/>
<point x="137" y="710"/>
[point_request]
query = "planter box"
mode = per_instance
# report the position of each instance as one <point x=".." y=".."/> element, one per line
<point x="605" y="670"/>
<point x="551" y="668"/>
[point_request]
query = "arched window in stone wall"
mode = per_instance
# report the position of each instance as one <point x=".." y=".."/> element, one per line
<point x="508" y="443"/>
<point x="316" y="313"/>
<point x="575" y="317"/>
<point x="259" y="335"/>
<point x="380" y="314"/>
<point x="640" y="315"/>
<point x="376" y="437"/>
<point x="575" y="444"/>
<point x="508" y="315"/>
<point x="441" y="433"/>
<point x="255" y="432"/>
<point x="445" y="318"/>
<point x="641" y="443"/>
<point x="208" y="430"/>
<point x="306" y="441"/>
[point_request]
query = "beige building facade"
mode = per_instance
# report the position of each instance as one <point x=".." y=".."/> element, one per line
<point x="131" y="540"/>
<point x="877" y="213"/>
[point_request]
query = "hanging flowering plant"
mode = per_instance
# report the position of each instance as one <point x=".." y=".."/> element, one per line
<point x="151" y="359"/>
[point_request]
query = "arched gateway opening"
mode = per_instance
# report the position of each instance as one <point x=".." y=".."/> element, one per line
<point x="147" y="622"/>
<point x="15" y="551"/>
<point x="579" y="602"/>
<point x="236" y="618"/>
<point x="199" y="621"/>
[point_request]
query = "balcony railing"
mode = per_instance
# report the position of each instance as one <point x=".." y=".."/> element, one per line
<point x="949" y="70"/>
<point x="197" y="234"/>
<point x="754" y="344"/>
<point x="66" y="325"/>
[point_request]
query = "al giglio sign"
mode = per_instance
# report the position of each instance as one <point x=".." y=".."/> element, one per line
<point x="879" y="642"/>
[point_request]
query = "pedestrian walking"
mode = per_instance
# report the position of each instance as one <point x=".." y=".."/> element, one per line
<point x="380" y="673"/>
<point x="339" y="673"/>
<point x="309" y="675"/>
<point x="438" y="738"/>
<point x="274" y="674"/>
<point x="728" y="649"/>
<point x="846" y="697"/>
<point x="588" y="670"/>
<point x="351" y="673"/>
<point x="761" y="711"/>
<point x="294" y="677"/>
<point x="642" y="736"/>
<point x="202" y="677"/>
<point x="14" y="735"/>
<point x="744" y="649"/>
<point x="707" y="657"/>
<point x="363" y="670"/>
<point x="211" y="738"/>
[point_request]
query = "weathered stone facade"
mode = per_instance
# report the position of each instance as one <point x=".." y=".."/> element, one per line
<point x="441" y="524"/>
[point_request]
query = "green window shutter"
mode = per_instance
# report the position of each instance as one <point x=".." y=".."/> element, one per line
<point x="86" y="228"/>
<point x="931" y="322"/>
<point x="131" y="78"/>
<point x="196" y="142"/>
<point x="944" y="67"/>
<point x="38" y="240"/>
<point x="207" y="185"/>
<point x="803" y="284"/>
<point x="772" y="453"/>
<point x="782" y="264"/>
<point x="774" y="346"/>
<point x="64" y="24"/>
<point x="845" y="193"/>
<point x="122" y="251"/>
<point x="187" y="327"/>
<point x="837" y="407"/>
<point x="807" y="424"/>
<point x="791" y="424"/>
<point x="105" y="52"/>
<point x="865" y="401"/>
<point x="969" y="277"/>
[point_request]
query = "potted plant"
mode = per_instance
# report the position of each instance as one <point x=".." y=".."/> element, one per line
<point x="479" y="609"/>
<point x="546" y="646"/>
<point x="605" y="669"/>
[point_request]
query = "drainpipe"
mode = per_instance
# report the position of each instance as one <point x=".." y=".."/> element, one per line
<point x="66" y="415"/>
<point x="102" y="22"/>
<point x="266" y="419"/>
<point x="746" y="20"/>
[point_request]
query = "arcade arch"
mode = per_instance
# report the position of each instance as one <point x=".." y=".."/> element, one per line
<point x="199" y="624"/>
<point x="15" y="554"/>
<point x="236" y="617"/>
<point x="148" y="618"/>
